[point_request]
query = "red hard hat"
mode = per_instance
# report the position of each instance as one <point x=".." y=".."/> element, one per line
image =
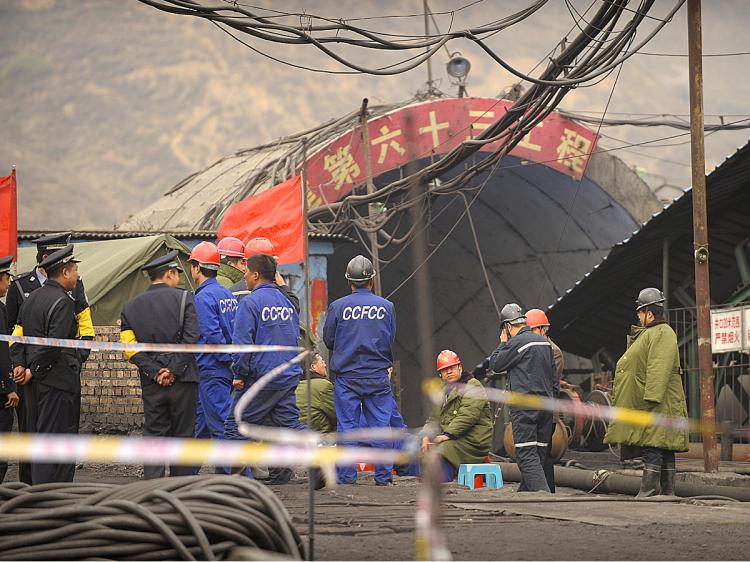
<point x="536" y="318"/>
<point x="231" y="246"/>
<point x="447" y="358"/>
<point x="260" y="246"/>
<point x="206" y="255"/>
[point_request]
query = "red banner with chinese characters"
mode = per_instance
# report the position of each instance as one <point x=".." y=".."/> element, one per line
<point x="437" y="127"/>
<point x="8" y="216"/>
<point x="276" y="214"/>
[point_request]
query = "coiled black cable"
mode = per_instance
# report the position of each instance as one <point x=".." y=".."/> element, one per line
<point x="183" y="518"/>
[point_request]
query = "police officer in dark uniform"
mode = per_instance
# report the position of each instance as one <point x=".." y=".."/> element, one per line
<point x="50" y="312"/>
<point x="23" y="285"/>
<point x="527" y="357"/>
<point x="169" y="381"/>
<point x="8" y="394"/>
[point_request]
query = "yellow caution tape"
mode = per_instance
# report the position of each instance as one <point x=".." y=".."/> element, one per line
<point x="434" y="389"/>
<point x="49" y="448"/>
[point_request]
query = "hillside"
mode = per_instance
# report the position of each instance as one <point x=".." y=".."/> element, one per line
<point x="105" y="104"/>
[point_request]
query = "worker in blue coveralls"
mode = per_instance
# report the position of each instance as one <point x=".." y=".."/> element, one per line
<point x="359" y="331"/>
<point x="397" y="422"/>
<point x="216" y="307"/>
<point x="266" y="317"/>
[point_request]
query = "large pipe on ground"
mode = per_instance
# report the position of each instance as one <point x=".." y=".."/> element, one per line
<point x="740" y="452"/>
<point x="614" y="483"/>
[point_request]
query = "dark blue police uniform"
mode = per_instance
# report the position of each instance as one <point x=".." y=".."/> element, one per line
<point x="164" y="315"/>
<point x="6" y="371"/>
<point x="50" y="312"/>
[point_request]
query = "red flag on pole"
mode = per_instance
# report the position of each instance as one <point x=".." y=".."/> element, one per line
<point x="8" y="216"/>
<point x="276" y="214"/>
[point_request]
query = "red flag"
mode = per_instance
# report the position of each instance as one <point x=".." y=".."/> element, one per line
<point x="8" y="216"/>
<point x="276" y="214"/>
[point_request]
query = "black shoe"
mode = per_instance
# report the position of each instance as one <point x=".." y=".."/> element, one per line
<point x="278" y="476"/>
<point x="384" y="483"/>
<point x="318" y="478"/>
<point x="649" y="481"/>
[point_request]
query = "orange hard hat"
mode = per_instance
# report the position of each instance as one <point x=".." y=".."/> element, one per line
<point x="536" y="318"/>
<point x="447" y="358"/>
<point x="206" y="255"/>
<point x="231" y="246"/>
<point x="260" y="246"/>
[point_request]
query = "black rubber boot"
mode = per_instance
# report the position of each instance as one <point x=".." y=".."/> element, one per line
<point x="668" y="473"/>
<point x="649" y="481"/>
<point x="277" y="476"/>
<point x="317" y="477"/>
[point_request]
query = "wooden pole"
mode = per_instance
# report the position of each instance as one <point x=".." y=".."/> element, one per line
<point x="308" y="344"/>
<point x="371" y="208"/>
<point x="700" y="236"/>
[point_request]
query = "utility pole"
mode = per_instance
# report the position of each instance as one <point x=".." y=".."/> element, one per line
<point x="426" y="34"/>
<point x="371" y="207"/>
<point x="700" y="238"/>
<point x="309" y="346"/>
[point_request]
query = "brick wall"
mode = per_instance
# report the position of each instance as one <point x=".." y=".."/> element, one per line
<point x="110" y="390"/>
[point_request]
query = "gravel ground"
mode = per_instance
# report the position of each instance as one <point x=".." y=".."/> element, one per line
<point x="366" y="522"/>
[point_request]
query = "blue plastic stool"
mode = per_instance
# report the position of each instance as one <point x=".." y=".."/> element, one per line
<point x="493" y="477"/>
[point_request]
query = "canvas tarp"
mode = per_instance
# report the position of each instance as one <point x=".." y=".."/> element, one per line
<point x="111" y="270"/>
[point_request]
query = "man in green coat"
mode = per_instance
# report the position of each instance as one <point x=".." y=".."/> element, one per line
<point x="232" y="267"/>
<point x="464" y="422"/>
<point x="322" y="412"/>
<point x="647" y="377"/>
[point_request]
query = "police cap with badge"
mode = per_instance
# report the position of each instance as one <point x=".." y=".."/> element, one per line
<point x="52" y="242"/>
<point x="5" y="263"/>
<point x="53" y="262"/>
<point x="163" y="264"/>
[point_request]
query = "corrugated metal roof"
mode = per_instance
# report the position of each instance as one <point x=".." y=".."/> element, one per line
<point x="598" y="309"/>
<point x="200" y="200"/>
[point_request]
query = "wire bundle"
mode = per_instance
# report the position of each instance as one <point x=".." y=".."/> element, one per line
<point x="596" y="50"/>
<point x="603" y="42"/>
<point x="337" y="31"/>
<point x="182" y="518"/>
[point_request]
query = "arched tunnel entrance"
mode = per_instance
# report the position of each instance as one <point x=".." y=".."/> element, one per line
<point x="538" y="231"/>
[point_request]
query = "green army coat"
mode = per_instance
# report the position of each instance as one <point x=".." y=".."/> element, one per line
<point x="647" y="377"/>
<point x="467" y="416"/>
<point x="323" y="414"/>
<point x="229" y="275"/>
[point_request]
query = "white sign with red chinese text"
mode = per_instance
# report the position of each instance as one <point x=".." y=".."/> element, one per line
<point x="746" y="327"/>
<point x="727" y="329"/>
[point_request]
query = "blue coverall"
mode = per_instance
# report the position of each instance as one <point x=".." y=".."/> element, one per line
<point x="359" y="331"/>
<point x="216" y="308"/>
<point x="266" y="317"/>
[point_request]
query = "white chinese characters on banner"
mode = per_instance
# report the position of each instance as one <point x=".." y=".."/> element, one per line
<point x="726" y="330"/>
